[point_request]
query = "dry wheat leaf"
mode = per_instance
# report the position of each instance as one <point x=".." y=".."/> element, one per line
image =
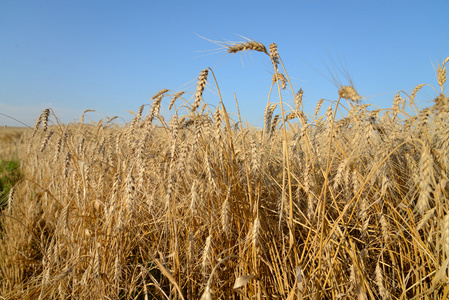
<point x="440" y="274"/>
<point x="242" y="280"/>
<point x="207" y="295"/>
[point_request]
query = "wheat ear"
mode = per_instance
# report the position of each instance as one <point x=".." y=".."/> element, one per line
<point x="202" y="79"/>
<point x="349" y="93"/>
<point x="251" y="45"/>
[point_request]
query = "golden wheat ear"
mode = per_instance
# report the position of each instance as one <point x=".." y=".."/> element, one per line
<point x="251" y="45"/>
<point x="202" y="80"/>
<point x="441" y="74"/>
<point x="349" y="93"/>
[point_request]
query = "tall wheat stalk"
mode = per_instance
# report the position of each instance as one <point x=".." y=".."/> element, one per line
<point x="206" y="206"/>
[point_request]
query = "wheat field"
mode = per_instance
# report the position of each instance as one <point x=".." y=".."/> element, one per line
<point x="351" y="203"/>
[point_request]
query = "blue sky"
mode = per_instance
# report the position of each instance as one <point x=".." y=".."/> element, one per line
<point x="113" y="56"/>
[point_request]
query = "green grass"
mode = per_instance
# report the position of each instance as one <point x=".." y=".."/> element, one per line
<point x="9" y="175"/>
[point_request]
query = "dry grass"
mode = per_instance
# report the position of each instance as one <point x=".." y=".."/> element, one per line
<point x="204" y="206"/>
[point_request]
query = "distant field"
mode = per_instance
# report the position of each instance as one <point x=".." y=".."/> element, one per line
<point x="8" y="133"/>
<point x="204" y="206"/>
<point x="9" y="140"/>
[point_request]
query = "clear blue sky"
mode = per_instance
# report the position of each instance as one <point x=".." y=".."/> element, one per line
<point x="112" y="56"/>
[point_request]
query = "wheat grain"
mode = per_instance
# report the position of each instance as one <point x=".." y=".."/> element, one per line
<point x="255" y="235"/>
<point x="298" y="99"/>
<point x="291" y="116"/>
<point x="203" y="109"/>
<point x="396" y="102"/>
<point x="279" y="77"/>
<point x="225" y="215"/>
<point x="61" y="291"/>
<point x="193" y="195"/>
<point x="441" y="76"/>
<point x="169" y="191"/>
<point x="217" y="123"/>
<point x="206" y="257"/>
<point x="423" y="118"/>
<point x="58" y="149"/>
<point x="117" y="269"/>
<point x="154" y="111"/>
<point x="81" y="147"/>
<point x="329" y="120"/>
<point x="268" y="115"/>
<point x="136" y="120"/>
<point x="97" y="263"/>
<point x="130" y="194"/>
<point x="445" y="61"/>
<point x="349" y="93"/>
<point x="425" y="174"/>
<point x="441" y="104"/>
<point x="385" y="228"/>
<point x="65" y="218"/>
<point x="317" y="108"/>
<point x="255" y="158"/>
<point x="84" y="112"/>
<point x="338" y="177"/>
<point x="11" y="195"/>
<point x="67" y="164"/>
<point x="445" y="235"/>
<point x="45" y="141"/>
<point x="274" y="55"/>
<point x="379" y="281"/>
<point x="36" y="126"/>
<point x="45" y="116"/>
<point x="250" y="45"/>
<point x="210" y="172"/>
<point x="173" y="100"/>
<point x="427" y="216"/>
<point x="190" y="248"/>
<point x="182" y="158"/>
<point x="274" y="124"/>
<point x="414" y="92"/>
<point x="159" y="94"/>
<point x="202" y="80"/>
